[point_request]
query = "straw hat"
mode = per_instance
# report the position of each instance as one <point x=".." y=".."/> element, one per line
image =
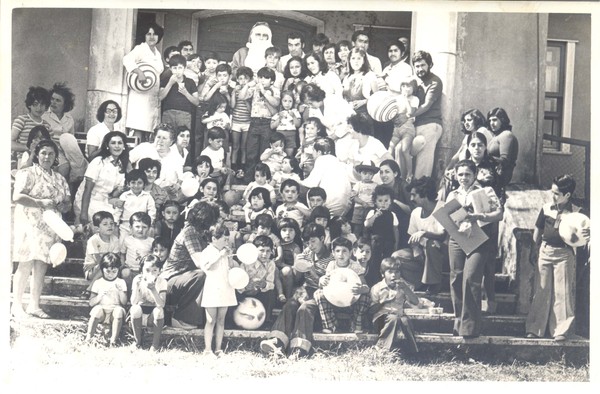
<point x="367" y="165"/>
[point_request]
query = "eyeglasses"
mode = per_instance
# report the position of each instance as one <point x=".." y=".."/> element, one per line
<point x="111" y="111"/>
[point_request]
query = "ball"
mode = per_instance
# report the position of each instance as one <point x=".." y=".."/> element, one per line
<point x="232" y="197"/>
<point x="382" y="106"/>
<point x="571" y="227"/>
<point x="339" y="289"/>
<point x="250" y="314"/>
<point x="151" y="78"/>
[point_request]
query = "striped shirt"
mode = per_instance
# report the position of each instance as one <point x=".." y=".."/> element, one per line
<point x="241" y="111"/>
<point x="23" y="124"/>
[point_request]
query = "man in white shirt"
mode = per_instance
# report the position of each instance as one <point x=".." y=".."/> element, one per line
<point x="360" y="39"/>
<point x="295" y="43"/>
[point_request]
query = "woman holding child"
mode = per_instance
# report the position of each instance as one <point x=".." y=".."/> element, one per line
<point x="37" y="188"/>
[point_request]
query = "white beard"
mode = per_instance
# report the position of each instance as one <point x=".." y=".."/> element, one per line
<point x="256" y="54"/>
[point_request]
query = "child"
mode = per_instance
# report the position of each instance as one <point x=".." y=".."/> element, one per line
<point x="136" y="199"/>
<point x="178" y="94"/>
<point x="404" y="127"/>
<point x="343" y="50"/>
<point x="291" y="245"/>
<point x="321" y="215"/>
<point x="218" y="116"/>
<point x="259" y="203"/>
<point x="262" y="276"/>
<point x="202" y="168"/>
<point x="290" y="169"/>
<point x="148" y="297"/>
<point x="291" y="207"/>
<point x="466" y="271"/>
<point x="274" y="155"/>
<point x="387" y="307"/>
<point x="194" y="68"/>
<point x="553" y="305"/>
<point x="265" y="101"/>
<point x="136" y="245"/>
<point x="331" y="58"/>
<point x="362" y="252"/>
<point x="362" y="193"/>
<point x="262" y="177"/>
<point x="216" y="152"/>
<point x="263" y="224"/>
<point x="108" y="298"/>
<point x="169" y="225"/>
<point x="294" y="73"/>
<point x="151" y="168"/>
<point x="103" y="241"/>
<point x="218" y="84"/>
<point x="341" y="249"/>
<point x="339" y="226"/>
<point x="287" y="121"/>
<point x="310" y="130"/>
<point x="316" y="196"/>
<point x="217" y="294"/>
<point x="208" y="190"/>
<point x="300" y="106"/>
<point x="272" y="56"/>
<point x="161" y="247"/>
<point x="240" y="119"/>
<point x="381" y="224"/>
<point x="207" y="79"/>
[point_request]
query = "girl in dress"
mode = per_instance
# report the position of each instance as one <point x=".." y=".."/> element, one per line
<point x="218" y="294"/>
<point x="291" y="245"/>
<point x="294" y="72"/>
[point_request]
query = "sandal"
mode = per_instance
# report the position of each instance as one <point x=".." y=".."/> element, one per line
<point x="239" y="174"/>
<point x="39" y="313"/>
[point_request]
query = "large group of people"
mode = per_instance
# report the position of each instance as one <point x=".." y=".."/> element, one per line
<point x="328" y="187"/>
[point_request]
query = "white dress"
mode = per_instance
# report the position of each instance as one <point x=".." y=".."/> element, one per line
<point x="106" y="177"/>
<point x="217" y="291"/>
<point x="143" y="107"/>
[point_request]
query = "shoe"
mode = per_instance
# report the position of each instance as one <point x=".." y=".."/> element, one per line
<point x="180" y="324"/>
<point x="85" y="295"/>
<point x="531" y="335"/>
<point x="39" y="313"/>
<point x="560" y="338"/>
<point x="219" y="353"/>
<point x="209" y="353"/>
<point x="433" y="289"/>
<point x="269" y="346"/>
<point x="328" y="330"/>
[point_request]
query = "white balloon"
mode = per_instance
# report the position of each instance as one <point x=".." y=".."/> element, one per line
<point x="339" y="289"/>
<point x="247" y="253"/>
<point x="55" y="222"/>
<point x="189" y="187"/>
<point x="571" y="226"/>
<point x="57" y="254"/>
<point x="238" y="278"/>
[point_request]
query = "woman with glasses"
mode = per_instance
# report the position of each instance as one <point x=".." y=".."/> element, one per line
<point x="109" y="113"/>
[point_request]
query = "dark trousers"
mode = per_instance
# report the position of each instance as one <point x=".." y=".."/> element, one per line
<point x="258" y="141"/>
<point x="184" y="294"/>
<point x="466" y="275"/>
<point x="296" y="322"/>
<point x="387" y="326"/>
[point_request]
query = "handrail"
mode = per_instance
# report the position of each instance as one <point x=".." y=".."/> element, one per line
<point x="566" y="140"/>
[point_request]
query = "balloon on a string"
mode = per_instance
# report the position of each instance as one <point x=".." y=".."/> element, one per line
<point x="247" y="253"/>
<point x="55" y="222"/>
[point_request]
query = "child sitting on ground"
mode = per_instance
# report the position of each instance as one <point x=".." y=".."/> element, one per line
<point x="136" y="199"/>
<point x="362" y="252"/>
<point x="108" y="299"/>
<point x="290" y="169"/>
<point x="387" y="307"/>
<point x="260" y="203"/>
<point x="341" y="249"/>
<point x="287" y="121"/>
<point x="291" y="245"/>
<point x="148" y="296"/>
<point x="103" y="241"/>
<point x="169" y="225"/>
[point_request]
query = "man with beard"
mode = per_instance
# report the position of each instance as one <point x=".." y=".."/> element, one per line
<point x="428" y="117"/>
<point x="295" y="43"/>
<point x="253" y="54"/>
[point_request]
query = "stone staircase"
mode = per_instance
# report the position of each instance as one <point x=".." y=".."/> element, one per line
<point x="503" y="333"/>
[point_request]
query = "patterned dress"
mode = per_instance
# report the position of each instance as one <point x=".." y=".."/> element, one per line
<point x="32" y="236"/>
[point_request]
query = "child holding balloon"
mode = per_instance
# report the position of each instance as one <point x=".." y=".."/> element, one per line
<point x="553" y="305"/>
<point x="103" y="241"/>
<point x="218" y="294"/>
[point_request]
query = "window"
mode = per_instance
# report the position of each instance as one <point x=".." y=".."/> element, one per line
<point x="558" y="102"/>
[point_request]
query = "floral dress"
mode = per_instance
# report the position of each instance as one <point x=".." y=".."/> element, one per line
<point x="32" y="236"/>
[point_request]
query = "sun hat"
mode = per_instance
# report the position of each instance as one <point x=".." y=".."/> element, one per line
<point x="367" y="165"/>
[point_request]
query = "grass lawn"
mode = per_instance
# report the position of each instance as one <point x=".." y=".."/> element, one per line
<point x="60" y="352"/>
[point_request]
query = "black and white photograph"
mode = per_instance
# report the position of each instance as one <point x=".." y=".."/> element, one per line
<point x="253" y="194"/>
